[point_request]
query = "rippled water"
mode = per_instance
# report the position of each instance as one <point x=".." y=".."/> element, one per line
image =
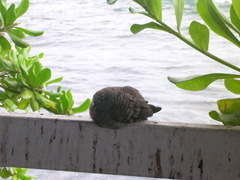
<point x="90" y="44"/>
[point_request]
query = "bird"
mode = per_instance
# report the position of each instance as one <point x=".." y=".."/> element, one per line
<point x="114" y="107"/>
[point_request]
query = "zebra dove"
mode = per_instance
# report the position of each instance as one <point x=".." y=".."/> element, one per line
<point x="114" y="107"/>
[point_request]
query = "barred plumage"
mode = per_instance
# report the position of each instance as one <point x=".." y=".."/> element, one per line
<point x="114" y="107"/>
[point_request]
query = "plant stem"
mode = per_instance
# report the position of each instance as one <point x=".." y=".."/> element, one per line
<point x="9" y="89"/>
<point x="178" y="35"/>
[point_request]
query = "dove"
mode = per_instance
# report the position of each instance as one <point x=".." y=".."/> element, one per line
<point x="114" y="107"/>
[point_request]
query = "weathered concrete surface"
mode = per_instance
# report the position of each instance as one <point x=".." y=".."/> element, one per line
<point x="170" y="150"/>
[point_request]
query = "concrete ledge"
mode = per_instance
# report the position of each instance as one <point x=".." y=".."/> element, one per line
<point x="150" y="149"/>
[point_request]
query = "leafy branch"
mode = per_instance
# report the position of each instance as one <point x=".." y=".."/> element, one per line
<point x="23" y="79"/>
<point x="15" y="173"/>
<point x="199" y="33"/>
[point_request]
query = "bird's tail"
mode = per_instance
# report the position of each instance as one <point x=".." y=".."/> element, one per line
<point x="155" y="108"/>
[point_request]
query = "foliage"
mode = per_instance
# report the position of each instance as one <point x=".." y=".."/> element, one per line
<point x="8" y="25"/>
<point x="217" y="22"/>
<point x="23" y="79"/>
<point x="15" y="173"/>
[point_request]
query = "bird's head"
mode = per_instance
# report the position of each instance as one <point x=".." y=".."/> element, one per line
<point x="101" y="101"/>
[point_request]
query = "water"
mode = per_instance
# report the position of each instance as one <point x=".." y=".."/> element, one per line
<point x="89" y="43"/>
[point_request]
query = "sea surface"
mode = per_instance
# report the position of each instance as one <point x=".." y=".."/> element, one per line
<point x="90" y="44"/>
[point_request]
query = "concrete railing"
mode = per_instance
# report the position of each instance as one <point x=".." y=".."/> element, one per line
<point x="150" y="149"/>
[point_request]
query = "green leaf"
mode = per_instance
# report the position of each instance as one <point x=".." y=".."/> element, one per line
<point x="214" y="20"/>
<point x="23" y="69"/>
<point x="13" y="58"/>
<point x="26" y="94"/>
<point x="3" y="6"/>
<point x="178" y="6"/>
<point x="11" y="83"/>
<point x="33" y="59"/>
<point x="214" y="115"/>
<point x="52" y="94"/>
<point x="4" y="3"/>
<point x="59" y="89"/>
<point x="17" y="33"/>
<point x="17" y="41"/>
<point x="154" y="7"/>
<point x="9" y="105"/>
<point x="60" y="109"/>
<point x="54" y="81"/>
<point x="22" y="8"/>
<point x="43" y="76"/>
<point x="23" y="51"/>
<point x="234" y="18"/>
<point x="229" y="106"/>
<point x="65" y="101"/>
<point x="33" y="72"/>
<point x="3" y="95"/>
<point x="30" y="32"/>
<point x="42" y="100"/>
<point x="20" y="170"/>
<point x="226" y="20"/>
<point x="37" y="66"/>
<point x="1" y="19"/>
<point x="199" y="34"/>
<point x="197" y="83"/>
<point x="226" y="119"/>
<point x="9" y="16"/>
<point x="111" y="1"/>
<point x="133" y="11"/>
<point x="34" y="104"/>
<point x="147" y="8"/>
<point x="70" y="99"/>
<point x="5" y="45"/>
<point x="31" y="78"/>
<point x="236" y="5"/>
<point x="136" y="28"/>
<point x="232" y="85"/>
<point x="5" y="174"/>
<point x="83" y="107"/>
<point x="7" y="65"/>
<point x="14" y="177"/>
<point x="24" y="103"/>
